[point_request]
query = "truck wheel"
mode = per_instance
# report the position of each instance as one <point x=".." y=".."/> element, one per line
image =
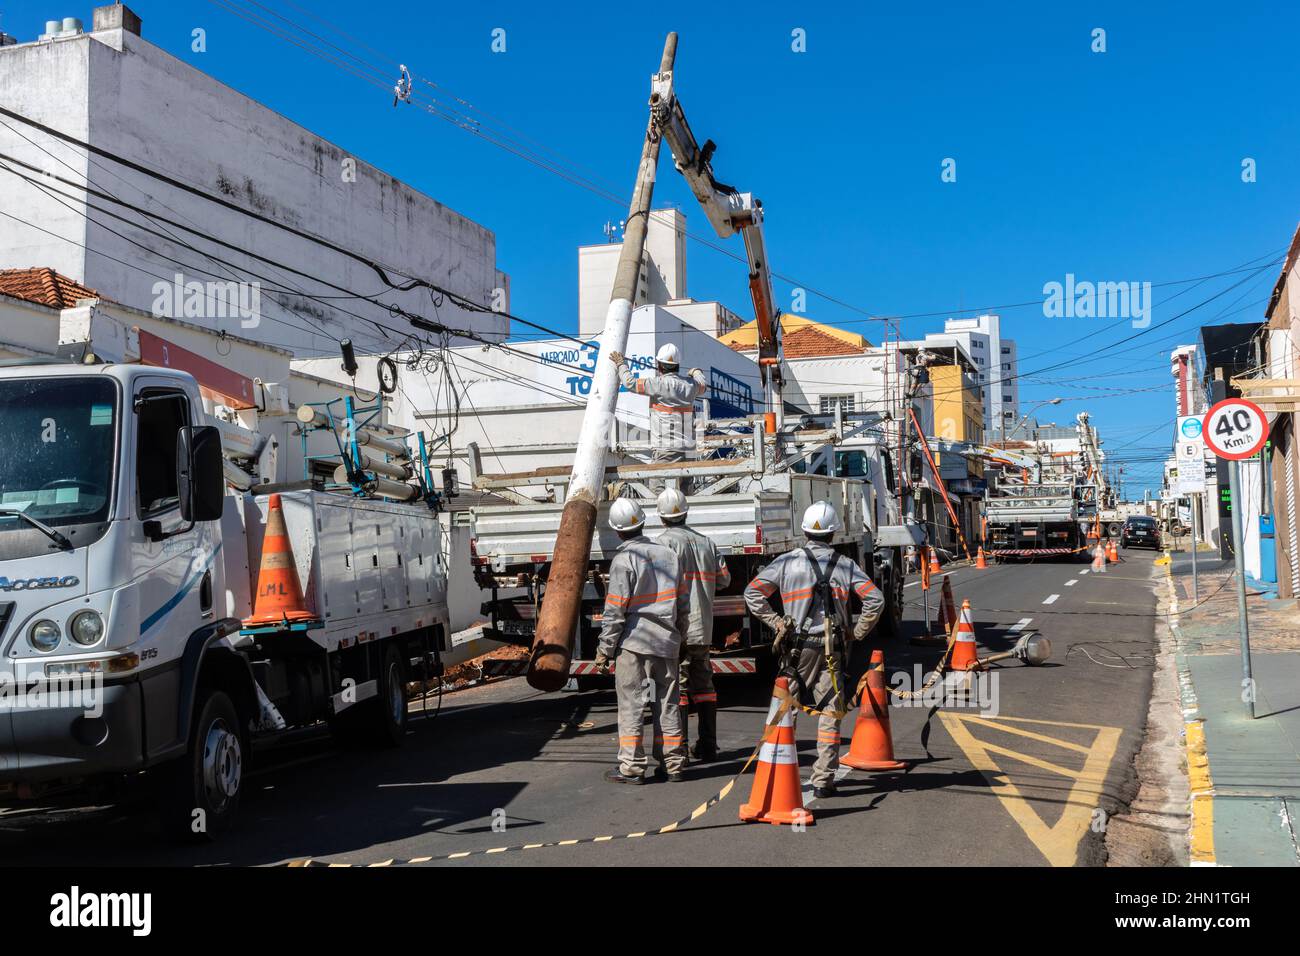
<point x="201" y="791"/>
<point x="379" y="721"/>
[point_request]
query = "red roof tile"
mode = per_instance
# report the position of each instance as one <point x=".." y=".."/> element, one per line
<point x="812" y="342"/>
<point x="44" y="286"/>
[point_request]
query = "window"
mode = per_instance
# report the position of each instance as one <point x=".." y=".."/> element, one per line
<point x="1006" y="398"/>
<point x="829" y="402"/>
<point x="161" y="417"/>
<point x="1006" y="366"/>
<point x="1006" y="350"/>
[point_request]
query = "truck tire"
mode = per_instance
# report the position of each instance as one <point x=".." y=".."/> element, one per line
<point x="201" y="791"/>
<point x="378" y="722"/>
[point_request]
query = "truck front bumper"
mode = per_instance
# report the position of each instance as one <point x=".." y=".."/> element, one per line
<point x="102" y="734"/>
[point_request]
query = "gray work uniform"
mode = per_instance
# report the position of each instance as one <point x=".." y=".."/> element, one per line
<point x="703" y="570"/>
<point x="672" y="413"/>
<point x="646" y="612"/>
<point x="792" y="579"/>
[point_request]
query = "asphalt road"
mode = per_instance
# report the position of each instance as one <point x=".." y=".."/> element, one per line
<point x="1027" y="779"/>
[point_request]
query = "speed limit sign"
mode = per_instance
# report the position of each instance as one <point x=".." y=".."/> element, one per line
<point x="1235" y="429"/>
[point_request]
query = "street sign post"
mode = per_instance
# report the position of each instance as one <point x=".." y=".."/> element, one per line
<point x="1235" y="429"/>
<point x="1191" y="481"/>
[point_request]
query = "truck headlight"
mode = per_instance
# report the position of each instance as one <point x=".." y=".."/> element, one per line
<point x="44" y="636"/>
<point x="86" y="627"/>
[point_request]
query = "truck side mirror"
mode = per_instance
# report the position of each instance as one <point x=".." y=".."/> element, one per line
<point x="200" y="477"/>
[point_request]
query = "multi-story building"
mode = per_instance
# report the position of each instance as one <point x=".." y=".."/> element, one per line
<point x="211" y="207"/>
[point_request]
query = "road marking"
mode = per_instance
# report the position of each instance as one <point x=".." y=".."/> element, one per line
<point x="1051" y="599"/>
<point x="1058" y="843"/>
<point x="1020" y="625"/>
<point x="1083" y="572"/>
<point x="1072" y="582"/>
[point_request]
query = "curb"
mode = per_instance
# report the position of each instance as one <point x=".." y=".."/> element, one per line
<point x="1200" y="835"/>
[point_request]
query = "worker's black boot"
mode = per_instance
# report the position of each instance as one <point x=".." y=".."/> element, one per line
<point x="705" y="747"/>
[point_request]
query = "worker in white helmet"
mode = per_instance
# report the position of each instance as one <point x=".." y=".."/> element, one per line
<point x="814" y="588"/>
<point x="672" y="405"/>
<point x="646" y="613"/>
<point x="703" y="571"/>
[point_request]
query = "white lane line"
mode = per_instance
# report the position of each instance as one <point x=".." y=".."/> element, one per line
<point x="1072" y="582"/>
<point x="1051" y="598"/>
<point x="1083" y="572"/>
<point x="1020" y="625"/>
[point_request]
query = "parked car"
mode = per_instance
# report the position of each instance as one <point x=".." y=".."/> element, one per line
<point x="1140" y="532"/>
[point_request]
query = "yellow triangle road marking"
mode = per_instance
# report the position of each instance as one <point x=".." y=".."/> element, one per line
<point x="1058" y="843"/>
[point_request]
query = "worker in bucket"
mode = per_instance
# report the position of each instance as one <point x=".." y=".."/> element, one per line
<point x="703" y="570"/>
<point x="672" y="406"/>
<point x="814" y="587"/>
<point x="646" y="613"/>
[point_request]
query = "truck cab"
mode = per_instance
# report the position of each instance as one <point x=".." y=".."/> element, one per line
<point x="111" y="589"/>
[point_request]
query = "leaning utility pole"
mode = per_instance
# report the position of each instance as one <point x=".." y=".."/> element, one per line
<point x="548" y="667"/>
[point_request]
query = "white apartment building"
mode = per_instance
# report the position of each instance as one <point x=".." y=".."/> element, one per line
<point x="996" y="368"/>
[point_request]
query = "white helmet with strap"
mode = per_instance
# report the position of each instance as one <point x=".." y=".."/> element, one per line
<point x="672" y="505"/>
<point x="668" y="355"/>
<point x="820" y="518"/>
<point x="625" y="515"/>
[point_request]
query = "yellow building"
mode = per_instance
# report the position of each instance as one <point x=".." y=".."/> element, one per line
<point x="958" y="415"/>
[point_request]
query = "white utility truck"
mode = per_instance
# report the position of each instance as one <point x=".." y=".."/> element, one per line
<point x="132" y="520"/>
<point x="749" y="491"/>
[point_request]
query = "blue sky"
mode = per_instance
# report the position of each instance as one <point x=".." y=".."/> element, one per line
<point x="1118" y="166"/>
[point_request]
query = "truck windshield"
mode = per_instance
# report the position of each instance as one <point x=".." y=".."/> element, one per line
<point x="57" y="441"/>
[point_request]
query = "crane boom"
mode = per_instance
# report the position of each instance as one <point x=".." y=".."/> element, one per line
<point x="729" y="211"/>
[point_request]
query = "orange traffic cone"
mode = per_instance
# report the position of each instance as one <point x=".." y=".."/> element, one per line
<point x="964" y="655"/>
<point x="934" y="561"/>
<point x="1112" y="550"/>
<point x="777" y="796"/>
<point x="1099" y="559"/>
<point x="873" y="742"/>
<point x="279" y="595"/>
<point x="980" y="563"/>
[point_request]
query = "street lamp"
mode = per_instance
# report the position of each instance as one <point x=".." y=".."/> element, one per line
<point x="1020" y="424"/>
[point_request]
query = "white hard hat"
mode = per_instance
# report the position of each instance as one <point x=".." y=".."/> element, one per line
<point x="668" y="355"/>
<point x="671" y="504"/>
<point x="820" y="518"/>
<point x="625" y="515"/>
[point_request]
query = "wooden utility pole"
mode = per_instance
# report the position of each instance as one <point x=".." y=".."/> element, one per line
<point x="548" y="666"/>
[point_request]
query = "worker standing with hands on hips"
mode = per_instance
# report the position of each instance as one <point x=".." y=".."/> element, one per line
<point x="703" y="570"/>
<point x="672" y="405"/>
<point x="646" y="613"/>
<point x="814" y="586"/>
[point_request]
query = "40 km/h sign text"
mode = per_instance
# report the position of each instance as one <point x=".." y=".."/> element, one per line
<point x="1235" y="429"/>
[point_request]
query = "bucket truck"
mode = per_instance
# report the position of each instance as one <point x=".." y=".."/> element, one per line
<point x="135" y="521"/>
<point x="755" y="475"/>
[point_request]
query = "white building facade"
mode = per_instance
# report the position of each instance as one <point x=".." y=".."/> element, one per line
<point x="208" y="204"/>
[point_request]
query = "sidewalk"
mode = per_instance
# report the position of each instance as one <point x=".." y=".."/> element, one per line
<point x="1244" y="774"/>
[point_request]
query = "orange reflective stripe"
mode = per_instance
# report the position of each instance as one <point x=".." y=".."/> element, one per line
<point x="616" y="599"/>
<point x="701" y="575"/>
<point x="651" y="598"/>
<point x="864" y="588"/>
<point x="705" y="698"/>
<point x="764" y="586"/>
<point x="672" y="409"/>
